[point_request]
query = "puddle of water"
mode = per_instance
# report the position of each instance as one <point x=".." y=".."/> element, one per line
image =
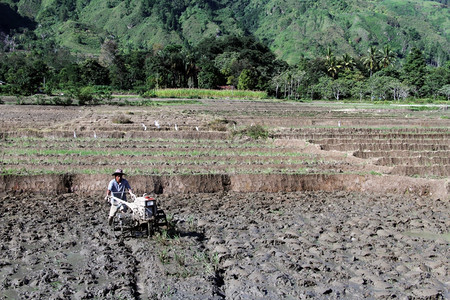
<point x="428" y="235"/>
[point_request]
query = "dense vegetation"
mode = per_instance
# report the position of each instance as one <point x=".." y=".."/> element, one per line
<point x="377" y="50"/>
<point x="290" y="28"/>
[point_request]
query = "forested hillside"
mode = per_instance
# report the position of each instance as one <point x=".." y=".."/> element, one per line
<point x="291" y="28"/>
<point x="322" y="49"/>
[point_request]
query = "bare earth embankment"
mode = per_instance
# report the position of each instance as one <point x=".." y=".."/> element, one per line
<point x="339" y="202"/>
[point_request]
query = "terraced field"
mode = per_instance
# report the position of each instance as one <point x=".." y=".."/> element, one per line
<point x="422" y="152"/>
<point x="212" y="138"/>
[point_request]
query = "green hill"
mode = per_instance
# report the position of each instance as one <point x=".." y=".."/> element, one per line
<point x="291" y="28"/>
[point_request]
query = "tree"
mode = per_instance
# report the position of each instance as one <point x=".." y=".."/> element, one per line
<point x="329" y="54"/>
<point x="323" y="87"/>
<point x="372" y="60"/>
<point x="298" y="80"/>
<point x="92" y="73"/>
<point x="172" y="67"/>
<point x="387" y="56"/>
<point x="290" y="82"/>
<point x="377" y="87"/>
<point x="332" y="64"/>
<point x="339" y="88"/>
<point x="108" y="53"/>
<point x="190" y="70"/>
<point x="208" y="76"/>
<point x="155" y="72"/>
<point x="226" y="62"/>
<point x="445" y="90"/>
<point x="414" y="70"/>
<point x="119" y="75"/>
<point x="27" y="77"/>
<point x="435" y="80"/>
<point x="232" y="54"/>
<point x="398" y="89"/>
<point x="277" y="81"/>
<point x="315" y="69"/>
<point x="359" y="90"/>
<point x="134" y="62"/>
<point x="347" y="62"/>
<point x="173" y="60"/>
<point x="247" y="80"/>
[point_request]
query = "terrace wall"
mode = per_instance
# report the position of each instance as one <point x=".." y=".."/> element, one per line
<point x="210" y="183"/>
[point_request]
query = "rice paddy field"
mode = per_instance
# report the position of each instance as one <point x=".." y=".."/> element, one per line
<point x="266" y="200"/>
<point x="212" y="138"/>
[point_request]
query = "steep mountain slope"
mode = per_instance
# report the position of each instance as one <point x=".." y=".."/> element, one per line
<point x="352" y="26"/>
<point x="291" y="28"/>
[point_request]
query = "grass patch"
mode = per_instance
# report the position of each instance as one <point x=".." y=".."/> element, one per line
<point x="187" y="153"/>
<point x="148" y="102"/>
<point x="205" y="93"/>
<point x="375" y="173"/>
<point x="423" y="108"/>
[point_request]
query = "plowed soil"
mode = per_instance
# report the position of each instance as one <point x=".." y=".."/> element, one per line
<point x="229" y="246"/>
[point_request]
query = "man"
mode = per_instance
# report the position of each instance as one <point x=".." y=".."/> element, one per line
<point x="117" y="187"/>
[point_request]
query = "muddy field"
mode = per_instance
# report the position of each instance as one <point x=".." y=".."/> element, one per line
<point x="341" y="201"/>
<point x="229" y="246"/>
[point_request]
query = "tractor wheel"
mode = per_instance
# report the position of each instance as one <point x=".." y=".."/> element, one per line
<point x="150" y="229"/>
<point x="160" y="217"/>
<point x="117" y="227"/>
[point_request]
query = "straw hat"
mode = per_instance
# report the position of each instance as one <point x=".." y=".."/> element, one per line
<point x="118" y="172"/>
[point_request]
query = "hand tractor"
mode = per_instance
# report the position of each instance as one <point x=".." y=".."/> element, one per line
<point x="137" y="217"/>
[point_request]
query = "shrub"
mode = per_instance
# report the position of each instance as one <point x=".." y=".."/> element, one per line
<point x="5" y="89"/>
<point x="93" y="95"/>
<point x="20" y="100"/>
<point x="64" y="101"/>
<point x="220" y="124"/>
<point x="39" y="100"/>
<point x="149" y="94"/>
<point x="102" y="93"/>
<point x="121" y="119"/>
<point x="254" y="132"/>
<point x="140" y="90"/>
<point x="85" y="95"/>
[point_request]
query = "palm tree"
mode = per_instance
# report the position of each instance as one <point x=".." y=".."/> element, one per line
<point x="190" y="69"/>
<point x="347" y="62"/>
<point x="372" y="61"/>
<point x="331" y="63"/>
<point x="329" y="54"/>
<point x="387" y="56"/>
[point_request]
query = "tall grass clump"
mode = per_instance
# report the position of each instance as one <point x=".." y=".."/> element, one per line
<point x="148" y="102"/>
<point x="204" y="93"/>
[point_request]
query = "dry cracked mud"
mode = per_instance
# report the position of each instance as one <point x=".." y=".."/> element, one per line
<point x="323" y="245"/>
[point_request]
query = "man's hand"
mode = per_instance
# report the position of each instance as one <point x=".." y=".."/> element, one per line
<point x="107" y="199"/>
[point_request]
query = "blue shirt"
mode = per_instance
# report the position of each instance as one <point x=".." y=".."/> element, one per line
<point x="119" y="189"/>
